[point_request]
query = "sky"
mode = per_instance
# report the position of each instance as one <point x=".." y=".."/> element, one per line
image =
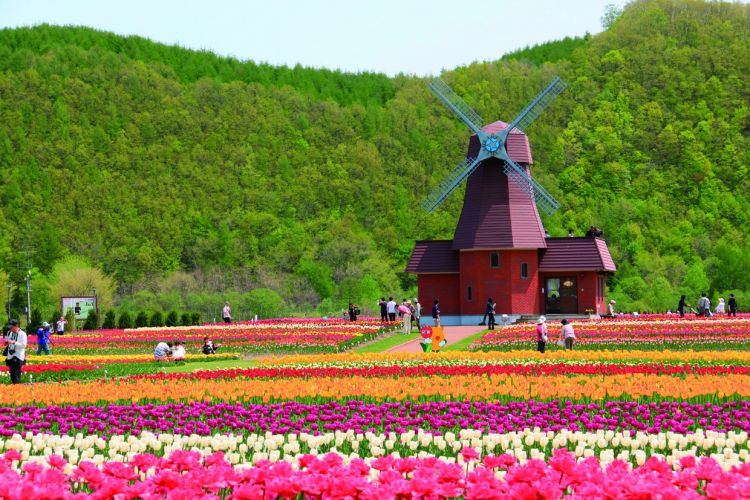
<point x="415" y="37"/>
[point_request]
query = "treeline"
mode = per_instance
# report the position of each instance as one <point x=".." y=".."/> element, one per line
<point x="115" y="149"/>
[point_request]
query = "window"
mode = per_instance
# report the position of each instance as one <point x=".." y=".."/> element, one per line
<point x="494" y="260"/>
<point x="524" y="270"/>
<point x="468" y="294"/>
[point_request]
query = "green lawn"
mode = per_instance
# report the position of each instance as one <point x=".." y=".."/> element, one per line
<point x="386" y="343"/>
<point x="210" y="365"/>
<point x="463" y="345"/>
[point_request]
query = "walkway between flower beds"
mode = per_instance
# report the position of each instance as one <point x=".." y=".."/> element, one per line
<point x="452" y="333"/>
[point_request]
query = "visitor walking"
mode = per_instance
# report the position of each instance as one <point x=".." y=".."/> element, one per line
<point x="405" y="310"/>
<point x="681" y="306"/>
<point x="417" y="308"/>
<point x="720" y="306"/>
<point x="15" y="351"/>
<point x="42" y="339"/>
<point x="541" y="334"/>
<point x="568" y="334"/>
<point x="226" y="313"/>
<point x="391" y="308"/>
<point x="436" y="312"/>
<point x="353" y="311"/>
<point x="60" y="325"/>
<point x="611" y="308"/>
<point x="704" y="306"/>
<point x="490" y="312"/>
<point x="383" y="309"/>
<point x="732" y="305"/>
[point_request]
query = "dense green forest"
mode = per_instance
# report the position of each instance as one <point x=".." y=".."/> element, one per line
<point x="180" y="178"/>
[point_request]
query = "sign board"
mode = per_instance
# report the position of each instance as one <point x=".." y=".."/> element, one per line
<point x="80" y="306"/>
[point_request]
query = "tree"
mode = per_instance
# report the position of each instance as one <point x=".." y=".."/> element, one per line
<point x="74" y="277"/>
<point x="185" y="319"/>
<point x="36" y="320"/>
<point x="157" y="319"/>
<point x="125" y="321"/>
<point x="109" y="320"/>
<point x="92" y="321"/>
<point x="611" y="13"/>
<point x="171" y="319"/>
<point x="141" y="320"/>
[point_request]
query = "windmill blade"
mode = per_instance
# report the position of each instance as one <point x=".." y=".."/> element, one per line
<point x="459" y="173"/>
<point x="457" y="105"/>
<point x="538" y="105"/>
<point x="543" y="199"/>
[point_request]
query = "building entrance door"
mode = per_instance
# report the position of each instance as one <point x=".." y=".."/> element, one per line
<point x="561" y="296"/>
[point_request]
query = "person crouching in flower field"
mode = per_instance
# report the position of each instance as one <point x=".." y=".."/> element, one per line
<point x="163" y="351"/>
<point x="178" y="351"/>
<point x="541" y="334"/>
<point x="568" y="334"/>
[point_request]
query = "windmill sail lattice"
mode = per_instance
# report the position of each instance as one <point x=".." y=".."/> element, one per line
<point x="494" y="145"/>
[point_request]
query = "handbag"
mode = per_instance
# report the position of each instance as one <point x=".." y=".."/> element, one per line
<point x="561" y="343"/>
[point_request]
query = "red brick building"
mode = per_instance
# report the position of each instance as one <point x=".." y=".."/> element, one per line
<point x="500" y="250"/>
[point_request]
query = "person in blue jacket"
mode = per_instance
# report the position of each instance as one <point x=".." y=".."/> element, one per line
<point x="42" y="339"/>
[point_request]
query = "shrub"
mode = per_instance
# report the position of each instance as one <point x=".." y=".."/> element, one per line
<point x="171" y="319"/>
<point x="125" y="320"/>
<point x="156" y="319"/>
<point x="185" y="319"/>
<point x="141" y="320"/>
<point x="195" y="318"/>
<point x="36" y="321"/>
<point x="92" y="321"/>
<point x="109" y="320"/>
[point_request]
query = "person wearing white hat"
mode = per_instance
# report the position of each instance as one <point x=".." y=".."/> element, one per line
<point x="612" y="307"/>
<point x="42" y="339"/>
<point x="541" y="334"/>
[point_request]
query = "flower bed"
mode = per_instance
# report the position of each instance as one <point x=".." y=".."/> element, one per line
<point x="188" y="474"/>
<point x="629" y="332"/>
<point x="286" y="335"/>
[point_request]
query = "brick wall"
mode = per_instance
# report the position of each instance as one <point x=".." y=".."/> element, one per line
<point x="438" y="286"/>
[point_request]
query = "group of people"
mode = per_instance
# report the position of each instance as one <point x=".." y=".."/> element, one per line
<point x="703" y="306"/>
<point x="175" y="351"/>
<point x="567" y="334"/>
<point x="408" y="311"/>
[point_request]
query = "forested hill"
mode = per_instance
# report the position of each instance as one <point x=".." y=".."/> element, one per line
<point x="149" y="159"/>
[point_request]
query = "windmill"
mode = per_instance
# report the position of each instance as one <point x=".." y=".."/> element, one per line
<point x="493" y="145"/>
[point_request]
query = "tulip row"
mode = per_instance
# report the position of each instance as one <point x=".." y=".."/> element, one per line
<point x="631" y="332"/>
<point x="188" y="474"/>
<point x="269" y="336"/>
<point x="536" y="369"/>
<point x="108" y="359"/>
<point x="728" y="449"/>
<point x="53" y="367"/>
<point x="459" y="387"/>
<point x="350" y="359"/>
<point x="296" y="417"/>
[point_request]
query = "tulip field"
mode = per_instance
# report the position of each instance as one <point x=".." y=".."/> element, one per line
<point x="626" y="415"/>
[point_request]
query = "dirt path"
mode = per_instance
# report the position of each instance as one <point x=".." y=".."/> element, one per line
<point x="452" y="333"/>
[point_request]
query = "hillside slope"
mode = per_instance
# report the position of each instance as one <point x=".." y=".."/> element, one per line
<point x="149" y="159"/>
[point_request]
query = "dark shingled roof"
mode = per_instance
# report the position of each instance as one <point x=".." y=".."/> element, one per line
<point x="433" y="257"/>
<point x="497" y="214"/>
<point x="576" y="254"/>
